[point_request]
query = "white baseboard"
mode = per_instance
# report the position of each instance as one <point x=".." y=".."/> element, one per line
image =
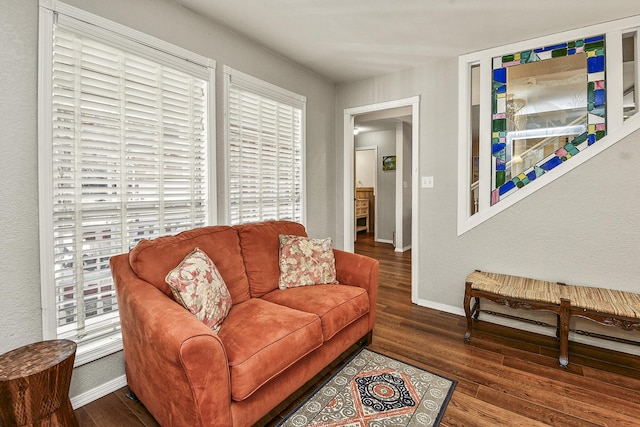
<point x="442" y="307"/>
<point x="98" y="392"/>
<point x="384" y="241"/>
<point x="405" y="249"/>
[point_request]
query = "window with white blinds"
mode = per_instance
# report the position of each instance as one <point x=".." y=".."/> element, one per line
<point x="265" y="150"/>
<point x="127" y="137"/>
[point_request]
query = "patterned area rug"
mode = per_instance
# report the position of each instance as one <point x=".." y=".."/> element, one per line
<point x="375" y="390"/>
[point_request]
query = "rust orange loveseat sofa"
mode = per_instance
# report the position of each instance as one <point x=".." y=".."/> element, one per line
<point x="270" y="344"/>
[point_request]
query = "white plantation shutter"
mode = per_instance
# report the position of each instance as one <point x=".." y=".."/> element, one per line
<point x="128" y="143"/>
<point x="265" y="143"/>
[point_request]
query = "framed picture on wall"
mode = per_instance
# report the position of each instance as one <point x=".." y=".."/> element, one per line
<point x="388" y="163"/>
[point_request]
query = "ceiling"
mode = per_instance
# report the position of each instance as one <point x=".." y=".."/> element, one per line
<point x="347" y="40"/>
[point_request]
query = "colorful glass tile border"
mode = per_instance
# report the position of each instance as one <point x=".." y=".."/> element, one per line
<point x="594" y="47"/>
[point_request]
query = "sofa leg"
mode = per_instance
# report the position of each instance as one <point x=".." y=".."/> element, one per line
<point x="131" y="395"/>
<point x="367" y="339"/>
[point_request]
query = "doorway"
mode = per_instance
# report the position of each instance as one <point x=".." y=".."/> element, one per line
<point x="405" y="185"/>
<point x="388" y="190"/>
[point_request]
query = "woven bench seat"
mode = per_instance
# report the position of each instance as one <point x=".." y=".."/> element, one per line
<point x="604" y="301"/>
<point x="605" y="306"/>
<point x="515" y="287"/>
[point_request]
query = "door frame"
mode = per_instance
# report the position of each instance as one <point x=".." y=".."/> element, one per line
<point x="348" y="175"/>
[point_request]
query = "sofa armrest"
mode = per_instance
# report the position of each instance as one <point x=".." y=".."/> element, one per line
<point x="173" y="362"/>
<point x="362" y="271"/>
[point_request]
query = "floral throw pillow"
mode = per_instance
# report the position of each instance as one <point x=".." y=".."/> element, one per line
<point x="198" y="286"/>
<point x="305" y="261"/>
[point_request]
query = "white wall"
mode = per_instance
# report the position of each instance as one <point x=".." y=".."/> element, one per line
<point x="580" y="229"/>
<point x="21" y="321"/>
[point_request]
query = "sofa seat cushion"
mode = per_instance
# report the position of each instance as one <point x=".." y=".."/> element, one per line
<point x="262" y="339"/>
<point x="336" y="305"/>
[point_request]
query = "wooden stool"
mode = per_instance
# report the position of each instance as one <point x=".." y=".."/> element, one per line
<point x="34" y="385"/>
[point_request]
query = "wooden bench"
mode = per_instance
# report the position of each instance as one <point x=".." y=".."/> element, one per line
<point x="604" y="306"/>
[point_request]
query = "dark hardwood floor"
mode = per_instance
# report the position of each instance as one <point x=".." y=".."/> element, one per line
<point x="505" y="377"/>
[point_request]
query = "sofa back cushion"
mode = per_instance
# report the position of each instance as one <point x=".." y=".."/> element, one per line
<point x="152" y="260"/>
<point x="260" y="243"/>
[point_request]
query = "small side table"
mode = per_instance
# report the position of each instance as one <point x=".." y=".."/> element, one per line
<point x="34" y="385"/>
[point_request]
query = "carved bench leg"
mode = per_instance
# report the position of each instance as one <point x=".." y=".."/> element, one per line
<point x="564" y="319"/>
<point x="467" y="311"/>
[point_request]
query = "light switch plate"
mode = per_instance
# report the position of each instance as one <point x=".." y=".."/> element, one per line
<point x="427" y="182"/>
